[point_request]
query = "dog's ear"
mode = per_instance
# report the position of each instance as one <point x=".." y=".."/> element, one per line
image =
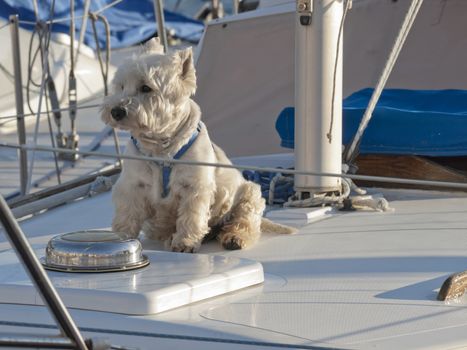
<point x="153" y="46"/>
<point x="187" y="69"/>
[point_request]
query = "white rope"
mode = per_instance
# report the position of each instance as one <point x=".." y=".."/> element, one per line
<point x="350" y="153"/>
<point x="360" y="200"/>
<point x="347" y="6"/>
<point x="373" y="202"/>
<point x="444" y="184"/>
<point x="320" y="199"/>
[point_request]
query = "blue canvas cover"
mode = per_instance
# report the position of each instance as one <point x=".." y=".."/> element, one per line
<point x="131" y="22"/>
<point x="405" y="122"/>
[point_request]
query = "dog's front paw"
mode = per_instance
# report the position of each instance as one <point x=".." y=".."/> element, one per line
<point x="236" y="240"/>
<point x="233" y="243"/>
<point x="182" y="244"/>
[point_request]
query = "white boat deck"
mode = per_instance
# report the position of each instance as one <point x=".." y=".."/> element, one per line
<point x="354" y="280"/>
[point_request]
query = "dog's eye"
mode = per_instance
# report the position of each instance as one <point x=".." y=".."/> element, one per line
<point x="145" y="89"/>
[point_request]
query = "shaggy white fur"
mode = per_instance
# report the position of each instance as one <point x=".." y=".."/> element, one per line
<point x="152" y="99"/>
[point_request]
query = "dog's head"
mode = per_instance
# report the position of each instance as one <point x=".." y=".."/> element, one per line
<point x="151" y="92"/>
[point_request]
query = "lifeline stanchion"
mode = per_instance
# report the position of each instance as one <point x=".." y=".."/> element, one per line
<point x="39" y="277"/>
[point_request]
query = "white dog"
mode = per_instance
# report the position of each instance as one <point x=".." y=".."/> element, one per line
<point x="179" y="204"/>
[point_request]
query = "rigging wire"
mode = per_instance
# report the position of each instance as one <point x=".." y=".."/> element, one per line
<point x="44" y="33"/>
<point x="161" y="160"/>
<point x="105" y="71"/>
<point x="347" y="5"/>
<point x="49" y="84"/>
<point x="351" y="150"/>
<point x="72" y="138"/>
<point x="44" y="54"/>
<point x="32" y="57"/>
<point x="67" y="19"/>
<point x="52" y="138"/>
<point x="24" y="115"/>
<point x="102" y="9"/>
<point x="5" y="25"/>
<point x="31" y="62"/>
<point x="82" y="32"/>
<point x="10" y="76"/>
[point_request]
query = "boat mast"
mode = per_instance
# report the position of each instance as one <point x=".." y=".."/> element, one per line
<point x="318" y="95"/>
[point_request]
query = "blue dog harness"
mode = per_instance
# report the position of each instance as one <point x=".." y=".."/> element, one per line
<point x="167" y="168"/>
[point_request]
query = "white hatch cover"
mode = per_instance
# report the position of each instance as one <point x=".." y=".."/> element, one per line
<point x="170" y="280"/>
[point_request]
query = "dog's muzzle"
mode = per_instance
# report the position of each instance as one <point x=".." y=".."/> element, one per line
<point x="118" y="113"/>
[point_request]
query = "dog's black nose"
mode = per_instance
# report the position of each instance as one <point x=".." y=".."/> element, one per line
<point x="118" y="113"/>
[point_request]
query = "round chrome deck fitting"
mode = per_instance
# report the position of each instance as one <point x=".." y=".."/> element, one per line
<point x="93" y="251"/>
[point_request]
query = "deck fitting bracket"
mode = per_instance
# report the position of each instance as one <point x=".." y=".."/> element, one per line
<point x="304" y="10"/>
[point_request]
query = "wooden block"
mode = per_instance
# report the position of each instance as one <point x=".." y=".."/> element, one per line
<point x="409" y="167"/>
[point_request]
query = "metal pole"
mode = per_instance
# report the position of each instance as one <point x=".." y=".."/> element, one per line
<point x="84" y="22"/>
<point x="34" y="342"/>
<point x="38" y="276"/>
<point x="159" y="11"/>
<point x="36" y="9"/>
<point x="236" y="4"/>
<point x="73" y="137"/>
<point x="215" y="9"/>
<point x="23" y="156"/>
<point x="318" y="72"/>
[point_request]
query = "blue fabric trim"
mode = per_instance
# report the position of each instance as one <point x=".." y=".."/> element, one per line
<point x="405" y="122"/>
<point x="131" y="22"/>
<point x="167" y="169"/>
<point x="135" y="142"/>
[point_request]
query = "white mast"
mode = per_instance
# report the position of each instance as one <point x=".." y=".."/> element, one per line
<point x="318" y="77"/>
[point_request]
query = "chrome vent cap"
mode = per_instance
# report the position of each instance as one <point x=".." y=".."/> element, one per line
<point x="93" y="251"/>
